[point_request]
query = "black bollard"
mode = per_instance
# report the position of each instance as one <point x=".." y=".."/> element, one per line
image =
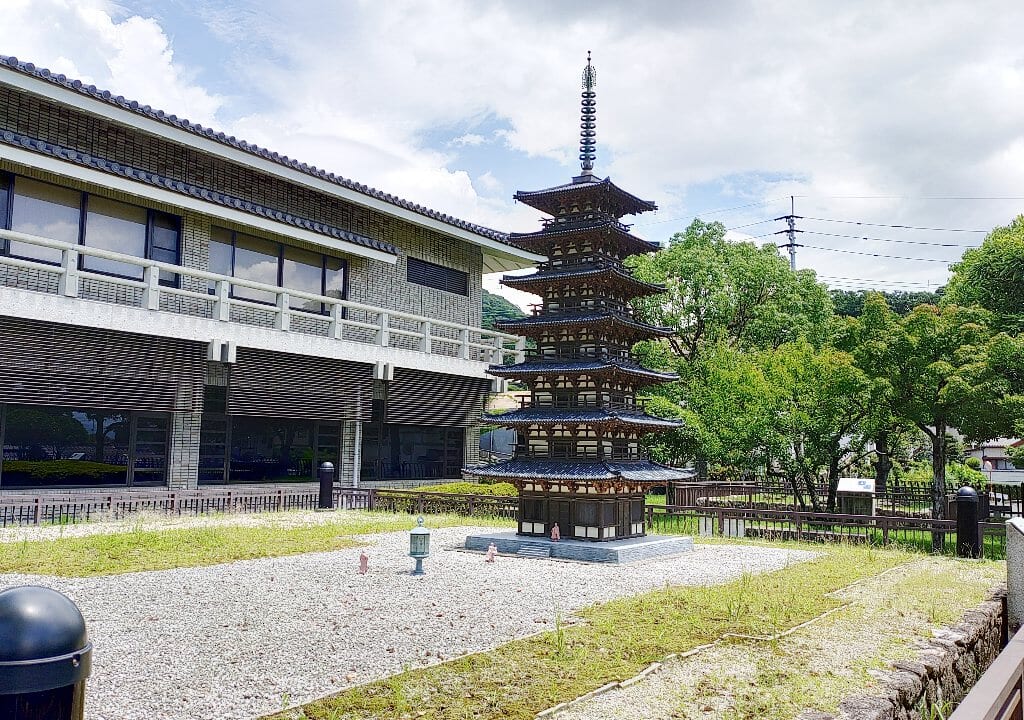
<point x="45" y="655"/>
<point x="968" y="532"/>
<point x="326" y="486"/>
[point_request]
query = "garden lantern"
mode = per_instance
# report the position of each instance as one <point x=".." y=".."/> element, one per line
<point x="419" y="545"/>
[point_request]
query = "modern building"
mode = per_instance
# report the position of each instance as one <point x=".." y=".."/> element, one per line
<point x="180" y="308"/>
<point x="995" y="460"/>
<point x="579" y="462"/>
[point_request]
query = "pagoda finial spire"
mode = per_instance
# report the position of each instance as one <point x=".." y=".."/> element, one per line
<point x="588" y="119"/>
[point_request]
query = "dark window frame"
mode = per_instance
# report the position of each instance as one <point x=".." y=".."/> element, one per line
<point x="438" y="277"/>
<point x="280" y="271"/>
<point x="7" y="219"/>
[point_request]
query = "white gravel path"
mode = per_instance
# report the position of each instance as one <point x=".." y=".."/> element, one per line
<point x="244" y="639"/>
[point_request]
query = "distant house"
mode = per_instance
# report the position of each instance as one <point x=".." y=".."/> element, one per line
<point x="995" y="462"/>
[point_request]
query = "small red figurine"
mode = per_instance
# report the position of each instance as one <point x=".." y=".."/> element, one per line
<point x="364" y="562"/>
<point x="555" y="534"/>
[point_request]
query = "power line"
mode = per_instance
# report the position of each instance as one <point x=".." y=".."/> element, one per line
<point x="878" y="255"/>
<point x="901" y="227"/>
<point x="876" y="280"/>
<point x="890" y="240"/>
<point x="790" y="233"/>
<point x="710" y="212"/>
<point x="759" y="222"/>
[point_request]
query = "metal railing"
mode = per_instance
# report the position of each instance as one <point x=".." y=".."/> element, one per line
<point x="199" y="293"/>
<point x="998" y="693"/>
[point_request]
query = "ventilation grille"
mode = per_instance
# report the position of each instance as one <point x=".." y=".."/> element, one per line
<point x="417" y="397"/>
<point x="45" y="363"/>
<point x="440" y="277"/>
<point x="273" y="384"/>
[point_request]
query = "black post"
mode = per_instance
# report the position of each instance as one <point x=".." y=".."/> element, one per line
<point x="968" y="532"/>
<point x="326" y="486"/>
<point x="45" y="655"/>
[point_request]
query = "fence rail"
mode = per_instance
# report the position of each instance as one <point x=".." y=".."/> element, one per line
<point x="998" y="693"/>
<point x="199" y="293"/>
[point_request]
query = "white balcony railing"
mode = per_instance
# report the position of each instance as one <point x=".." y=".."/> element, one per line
<point x="204" y="294"/>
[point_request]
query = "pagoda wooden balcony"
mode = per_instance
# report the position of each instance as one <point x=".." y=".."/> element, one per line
<point x="637" y="405"/>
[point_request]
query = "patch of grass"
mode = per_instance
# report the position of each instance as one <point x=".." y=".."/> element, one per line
<point x="616" y="640"/>
<point x="502" y="489"/>
<point x="140" y="548"/>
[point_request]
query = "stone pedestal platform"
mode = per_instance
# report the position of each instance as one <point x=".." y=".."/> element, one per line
<point x="630" y="550"/>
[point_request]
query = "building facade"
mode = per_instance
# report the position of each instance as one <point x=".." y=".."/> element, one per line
<point x="179" y="308"/>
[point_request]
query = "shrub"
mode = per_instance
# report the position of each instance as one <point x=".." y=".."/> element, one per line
<point x="467" y="488"/>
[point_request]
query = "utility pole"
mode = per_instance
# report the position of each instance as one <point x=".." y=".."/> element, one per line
<point x="790" y="232"/>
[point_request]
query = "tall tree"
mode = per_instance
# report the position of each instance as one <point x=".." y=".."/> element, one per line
<point x="851" y="303"/>
<point x="992" y="276"/>
<point x="727" y="292"/>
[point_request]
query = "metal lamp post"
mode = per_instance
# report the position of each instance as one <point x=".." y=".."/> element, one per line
<point x="419" y="545"/>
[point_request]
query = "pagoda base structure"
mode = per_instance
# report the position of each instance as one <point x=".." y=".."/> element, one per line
<point x="628" y="550"/>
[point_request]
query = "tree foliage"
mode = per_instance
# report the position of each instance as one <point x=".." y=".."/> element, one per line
<point x="992" y="276"/>
<point x="496" y="308"/>
<point x="850" y="303"/>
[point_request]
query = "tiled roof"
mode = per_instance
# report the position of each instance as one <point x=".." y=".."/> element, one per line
<point x="91" y="161"/>
<point x="133" y="106"/>
<point x="579" y="319"/>
<point x="590" y="416"/>
<point x="555" y="230"/>
<point x="580" y="271"/>
<point x="639" y="471"/>
<point x="563" y="366"/>
<point x="541" y="198"/>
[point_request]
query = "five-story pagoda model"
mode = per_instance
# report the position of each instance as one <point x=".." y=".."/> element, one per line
<point x="578" y="460"/>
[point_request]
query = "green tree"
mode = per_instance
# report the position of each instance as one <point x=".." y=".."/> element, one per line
<point x="496" y="308"/>
<point x="721" y="292"/>
<point x="850" y="303"/>
<point x="992" y="276"/>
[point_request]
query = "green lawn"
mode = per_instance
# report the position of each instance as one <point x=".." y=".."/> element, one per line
<point x="141" y="548"/>
<point x="616" y="640"/>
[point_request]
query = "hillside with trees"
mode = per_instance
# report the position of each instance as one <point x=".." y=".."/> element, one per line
<point x="495" y="308"/>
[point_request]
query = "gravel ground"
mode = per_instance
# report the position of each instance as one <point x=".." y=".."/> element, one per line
<point x="243" y="639"/>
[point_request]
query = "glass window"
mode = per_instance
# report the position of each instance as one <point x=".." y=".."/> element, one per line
<point x="165" y="243"/>
<point x="271" y="450"/>
<point x="220" y="254"/>
<point x="4" y="199"/>
<point x="334" y="278"/>
<point x="47" y="211"/>
<point x="303" y="270"/>
<point x="59" y="447"/>
<point x="150" y="451"/>
<point x="255" y="260"/>
<point x="119" y="227"/>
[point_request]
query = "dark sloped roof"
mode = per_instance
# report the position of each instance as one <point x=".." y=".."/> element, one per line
<point x="228" y="201"/>
<point x="579" y="366"/>
<point x="605" y="272"/>
<point x="610" y="227"/>
<point x="590" y="416"/>
<point x="133" y="106"/>
<point x="637" y="471"/>
<point x="541" y="321"/>
<point x="549" y="199"/>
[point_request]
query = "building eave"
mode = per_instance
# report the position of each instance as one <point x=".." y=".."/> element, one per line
<point x="498" y="255"/>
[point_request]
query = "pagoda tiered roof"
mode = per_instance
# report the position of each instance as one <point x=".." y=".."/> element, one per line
<point x="596" y="417"/>
<point x="596" y="273"/>
<point x="596" y="367"/>
<point x="596" y="227"/>
<point x="644" y="471"/>
<point x="602" y="193"/>
<point x="596" y="320"/>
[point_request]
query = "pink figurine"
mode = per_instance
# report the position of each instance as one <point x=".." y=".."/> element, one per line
<point x="364" y="562"/>
<point x="492" y="550"/>
<point x="555" y="534"/>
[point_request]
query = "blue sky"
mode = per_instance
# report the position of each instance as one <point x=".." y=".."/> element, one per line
<point x="896" y="114"/>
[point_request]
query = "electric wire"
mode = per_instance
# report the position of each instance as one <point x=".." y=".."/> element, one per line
<point x="900" y="227"/>
<point x="878" y="255"/>
<point x="878" y="239"/>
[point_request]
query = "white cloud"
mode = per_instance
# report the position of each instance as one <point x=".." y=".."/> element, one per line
<point x="724" y="104"/>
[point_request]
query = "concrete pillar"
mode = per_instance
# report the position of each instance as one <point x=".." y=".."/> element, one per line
<point x="351" y="453"/>
<point x="183" y="453"/>
<point x="471" y="453"/>
<point x="1015" y="572"/>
